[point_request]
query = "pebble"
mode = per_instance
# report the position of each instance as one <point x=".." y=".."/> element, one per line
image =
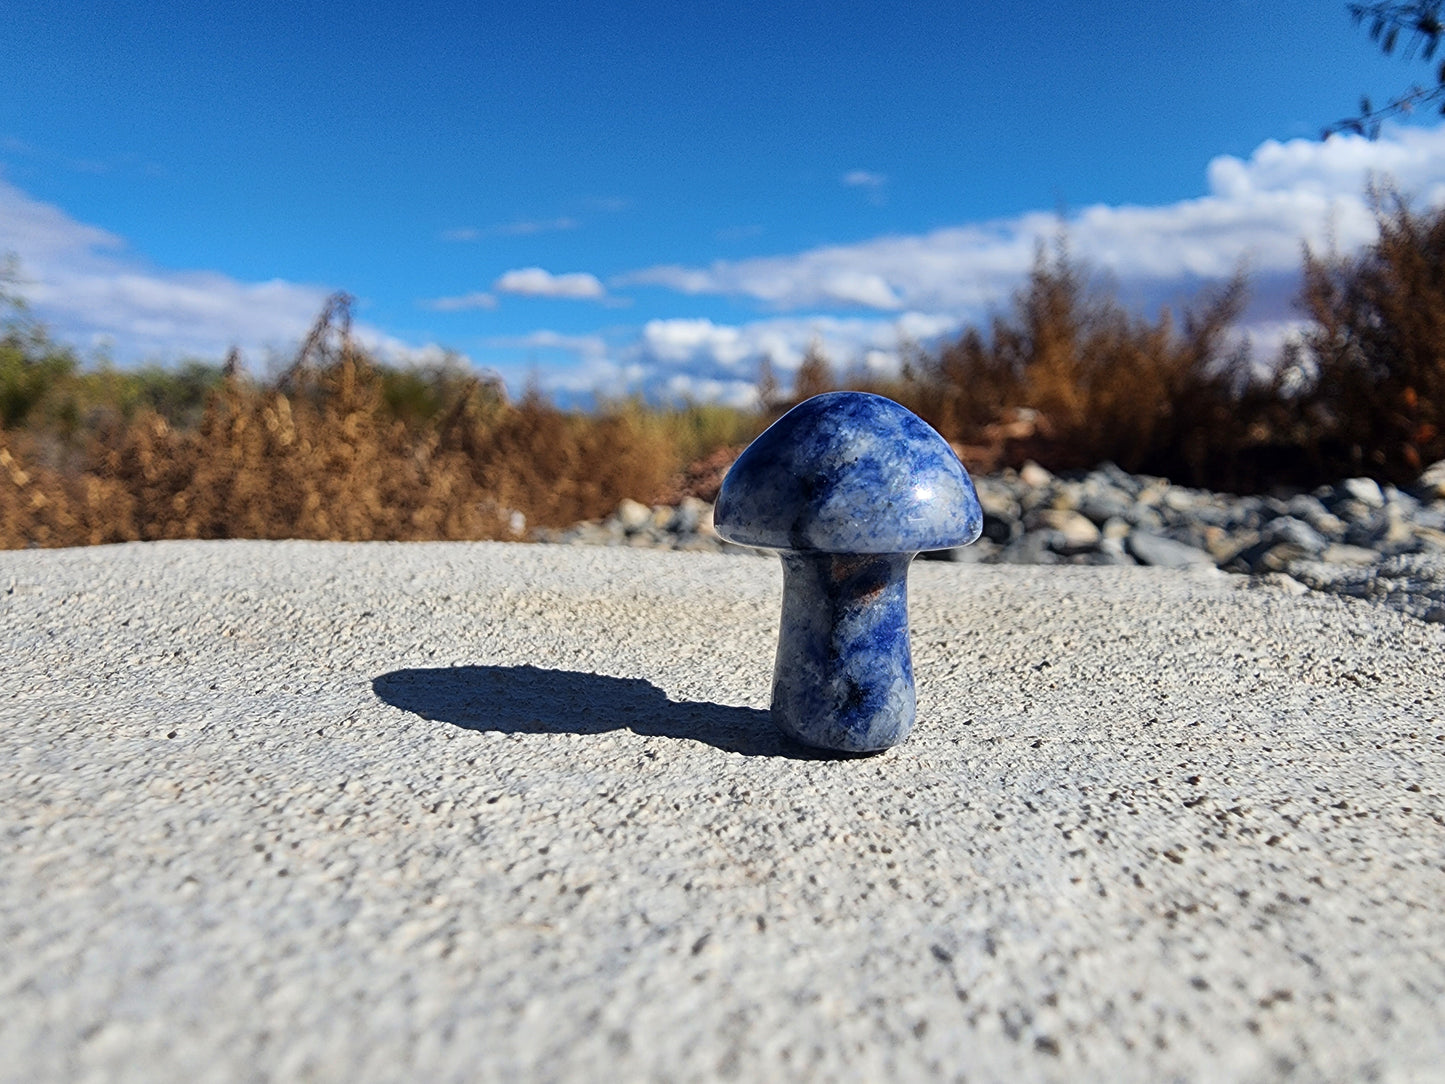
<point x="1431" y="484"/>
<point x="1356" y="537"/>
<point x="1161" y="552"/>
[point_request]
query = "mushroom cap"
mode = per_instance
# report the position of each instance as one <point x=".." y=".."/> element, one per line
<point x="849" y="472"/>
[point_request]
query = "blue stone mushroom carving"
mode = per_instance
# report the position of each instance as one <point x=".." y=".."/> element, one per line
<point x="850" y="487"/>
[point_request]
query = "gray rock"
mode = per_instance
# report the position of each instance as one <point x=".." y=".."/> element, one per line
<point x="1432" y="516"/>
<point x="1034" y="548"/>
<point x="1265" y="556"/>
<point x="1115" y="528"/>
<point x="1429" y="539"/>
<point x="1111" y="547"/>
<point x="1102" y="558"/>
<point x="1365" y="490"/>
<point x="997" y="499"/>
<point x="1161" y="552"/>
<point x="1001" y="530"/>
<point x="1352" y="556"/>
<point x="1034" y="476"/>
<point x="1401" y="501"/>
<point x="1295" y="532"/>
<point x="1179" y="499"/>
<point x="1076" y="532"/>
<point x="1339" y="539"/>
<point x="1353" y="511"/>
<point x="632" y="515"/>
<point x="1104" y="505"/>
<point x="1145" y="517"/>
<point x="1430" y="486"/>
<point x="687" y="516"/>
<point x="1306" y="507"/>
<point x="1383" y="532"/>
<point x="1329" y="526"/>
<point x="1113" y="476"/>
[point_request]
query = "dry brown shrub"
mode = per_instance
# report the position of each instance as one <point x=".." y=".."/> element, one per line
<point x="42" y="505"/>
<point x="558" y="468"/>
<point x="1094" y="381"/>
<point x="1370" y="378"/>
<point x="329" y="459"/>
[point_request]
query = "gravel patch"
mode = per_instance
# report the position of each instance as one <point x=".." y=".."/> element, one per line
<point x="1357" y="539"/>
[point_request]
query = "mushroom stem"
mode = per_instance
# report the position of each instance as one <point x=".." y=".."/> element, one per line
<point x="843" y="679"/>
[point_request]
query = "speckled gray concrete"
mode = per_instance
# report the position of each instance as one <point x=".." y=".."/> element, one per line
<point x="298" y="811"/>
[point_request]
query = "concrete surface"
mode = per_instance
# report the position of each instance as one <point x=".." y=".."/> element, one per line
<point x="441" y="812"/>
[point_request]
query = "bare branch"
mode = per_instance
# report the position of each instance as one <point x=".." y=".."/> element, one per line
<point x="1421" y="23"/>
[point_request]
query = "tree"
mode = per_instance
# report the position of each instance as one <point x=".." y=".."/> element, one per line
<point x="815" y="375"/>
<point x="1419" y="22"/>
<point x="31" y="366"/>
<point x="767" y="383"/>
<point x="1373" y="365"/>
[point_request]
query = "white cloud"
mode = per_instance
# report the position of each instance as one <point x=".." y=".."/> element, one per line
<point x="537" y="282"/>
<point x="680" y="387"/>
<point x="862" y="178"/>
<point x="699" y="360"/>
<point x="586" y="346"/>
<point x="1257" y="212"/>
<point x="91" y="290"/>
<point x="725" y="348"/>
<point x="399" y="352"/>
<point x="477" y="299"/>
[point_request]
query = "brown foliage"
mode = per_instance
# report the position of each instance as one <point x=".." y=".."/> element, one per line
<point x="1372" y="368"/>
<point x="328" y="460"/>
<point x="814" y="376"/>
<point x="45" y="506"/>
<point x="1095" y="381"/>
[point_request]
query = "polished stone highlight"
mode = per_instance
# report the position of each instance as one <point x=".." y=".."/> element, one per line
<point x="850" y="486"/>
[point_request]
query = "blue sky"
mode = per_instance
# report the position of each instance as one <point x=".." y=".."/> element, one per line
<point x="651" y="196"/>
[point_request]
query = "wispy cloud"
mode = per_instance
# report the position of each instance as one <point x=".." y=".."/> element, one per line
<point x="119" y="163"/>
<point x="870" y="182"/>
<point x="524" y="228"/>
<point x="549" y="225"/>
<point x="477" y="299"/>
<point x="85" y="283"/>
<point x="738" y="233"/>
<point x="538" y="282"/>
<point x="862" y="178"/>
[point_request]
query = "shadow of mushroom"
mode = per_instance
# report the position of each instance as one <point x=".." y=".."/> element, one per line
<point x="531" y="700"/>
